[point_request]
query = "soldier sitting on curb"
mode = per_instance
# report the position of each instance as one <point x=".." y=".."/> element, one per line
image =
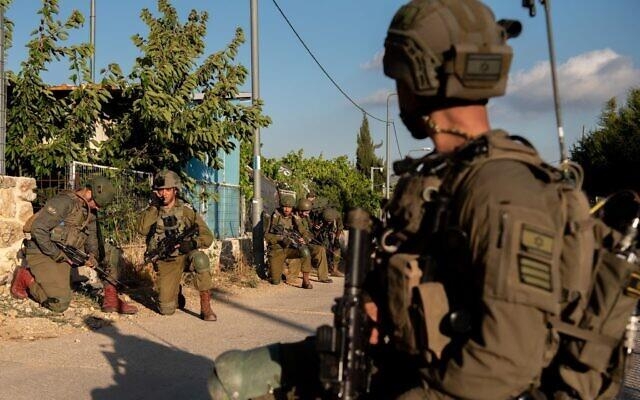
<point x="318" y="251"/>
<point x="286" y="242"/>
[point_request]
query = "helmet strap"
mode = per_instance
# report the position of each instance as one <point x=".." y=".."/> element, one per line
<point x="450" y="131"/>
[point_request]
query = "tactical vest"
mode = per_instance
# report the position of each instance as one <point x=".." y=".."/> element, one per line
<point x="160" y="230"/>
<point x="72" y="230"/>
<point x="580" y="285"/>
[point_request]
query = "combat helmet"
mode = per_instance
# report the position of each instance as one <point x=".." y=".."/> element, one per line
<point x="304" y="205"/>
<point x="287" y="201"/>
<point x="102" y="190"/>
<point x="330" y="214"/>
<point x="167" y="179"/>
<point x="451" y="49"/>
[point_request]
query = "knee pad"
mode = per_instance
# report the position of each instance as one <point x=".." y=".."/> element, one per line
<point x="200" y="261"/>
<point x="246" y="374"/>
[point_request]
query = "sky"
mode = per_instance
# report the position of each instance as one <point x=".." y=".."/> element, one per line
<point x="596" y="54"/>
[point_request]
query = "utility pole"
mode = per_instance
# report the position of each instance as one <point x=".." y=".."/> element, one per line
<point x="3" y="98"/>
<point x="387" y="166"/>
<point x="92" y="39"/>
<point x="256" y="203"/>
<point x="371" y="170"/>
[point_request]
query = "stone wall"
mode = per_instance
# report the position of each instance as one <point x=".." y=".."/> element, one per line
<point x="16" y="195"/>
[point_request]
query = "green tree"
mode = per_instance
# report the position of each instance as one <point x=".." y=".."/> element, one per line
<point x="336" y="180"/>
<point x="246" y="158"/>
<point x="365" y="153"/>
<point x="45" y="131"/>
<point x="610" y="154"/>
<point x="160" y="125"/>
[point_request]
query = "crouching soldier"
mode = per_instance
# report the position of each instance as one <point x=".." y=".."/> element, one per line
<point x="67" y="219"/>
<point x="168" y="216"/>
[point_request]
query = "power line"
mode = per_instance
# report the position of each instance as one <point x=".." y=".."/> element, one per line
<point x="321" y="67"/>
<point x="396" y="135"/>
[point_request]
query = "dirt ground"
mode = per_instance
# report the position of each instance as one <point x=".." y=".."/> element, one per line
<point x="26" y="320"/>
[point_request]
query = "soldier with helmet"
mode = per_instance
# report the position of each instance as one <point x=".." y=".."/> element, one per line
<point x="168" y="214"/>
<point x="469" y="277"/>
<point x="318" y="252"/>
<point x="69" y="218"/>
<point x="285" y="239"/>
<point x="329" y="232"/>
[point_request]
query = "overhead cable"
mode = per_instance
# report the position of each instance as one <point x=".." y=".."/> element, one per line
<point x="321" y="67"/>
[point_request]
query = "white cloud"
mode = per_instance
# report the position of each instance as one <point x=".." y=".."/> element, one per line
<point x="375" y="63"/>
<point x="377" y="98"/>
<point x="586" y="80"/>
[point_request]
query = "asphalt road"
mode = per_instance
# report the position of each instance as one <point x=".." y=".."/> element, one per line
<point x="160" y="357"/>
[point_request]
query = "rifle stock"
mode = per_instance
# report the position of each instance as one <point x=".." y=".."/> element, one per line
<point x="345" y="366"/>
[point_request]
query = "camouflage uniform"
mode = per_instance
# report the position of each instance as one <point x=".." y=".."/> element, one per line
<point x="151" y="225"/>
<point x="155" y="223"/>
<point x="318" y="252"/>
<point x="280" y="248"/>
<point x="329" y="232"/>
<point x="66" y="218"/>
<point x="65" y="211"/>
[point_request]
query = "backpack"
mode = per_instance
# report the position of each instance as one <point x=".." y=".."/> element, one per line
<point x="588" y="315"/>
<point x="600" y="289"/>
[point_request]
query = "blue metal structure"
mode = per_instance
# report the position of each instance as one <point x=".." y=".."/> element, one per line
<point x="217" y="193"/>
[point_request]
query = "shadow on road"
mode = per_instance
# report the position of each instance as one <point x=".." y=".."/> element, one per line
<point x="143" y="369"/>
<point x="270" y="315"/>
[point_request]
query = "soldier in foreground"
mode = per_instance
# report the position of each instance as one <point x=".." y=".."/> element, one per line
<point x="285" y="241"/>
<point x="484" y="262"/>
<point x="169" y="217"/>
<point x="66" y="220"/>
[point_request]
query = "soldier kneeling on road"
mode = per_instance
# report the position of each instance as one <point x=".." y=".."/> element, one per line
<point x="169" y="217"/>
<point x="67" y="222"/>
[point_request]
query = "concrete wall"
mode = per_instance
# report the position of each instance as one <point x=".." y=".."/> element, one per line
<point x="16" y="195"/>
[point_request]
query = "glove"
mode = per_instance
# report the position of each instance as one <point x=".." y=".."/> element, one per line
<point x="187" y="246"/>
<point x="155" y="200"/>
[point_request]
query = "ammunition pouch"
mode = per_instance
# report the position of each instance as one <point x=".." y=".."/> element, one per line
<point x="69" y="236"/>
<point x="416" y="309"/>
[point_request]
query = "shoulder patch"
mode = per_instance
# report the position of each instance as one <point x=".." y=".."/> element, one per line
<point x="51" y="210"/>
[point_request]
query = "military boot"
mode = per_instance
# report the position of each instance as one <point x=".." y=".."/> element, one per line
<point x="334" y="271"/>
<point x="206" y="313"/>
<point x="306" y="283"/>
<point x="112" y="303"/>
<point x="22" y="279"/>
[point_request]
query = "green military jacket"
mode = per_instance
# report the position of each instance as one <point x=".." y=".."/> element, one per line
<point x="151" y="224"/>
<point x="503" y="270"/>
<point x="304" y="226"/>
<point x="514" y="220"/>
<point x="67" y="218"/>
<point x="279" y="220"/>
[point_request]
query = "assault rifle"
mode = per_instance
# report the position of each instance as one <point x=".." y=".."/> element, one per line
<point x="79" y="258"/>
<point x="295" y="237"/>
<point x="345" y="366"/>
<point x="168" y="244"/>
